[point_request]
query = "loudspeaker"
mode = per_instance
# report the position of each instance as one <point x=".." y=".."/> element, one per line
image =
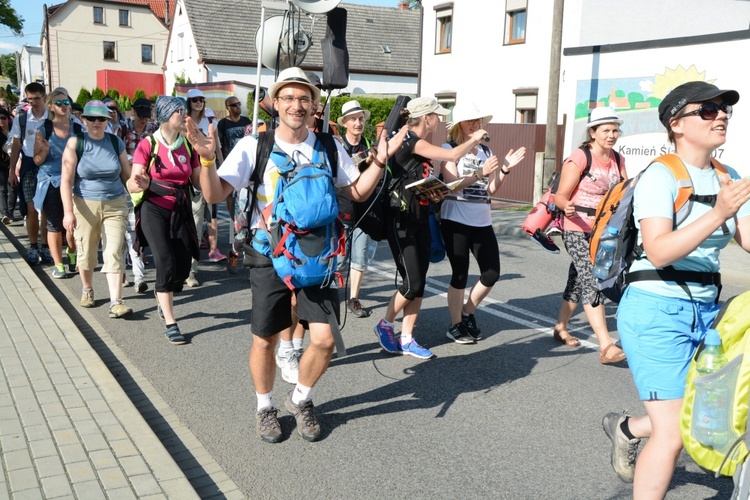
<point x="335" y="53"/>
<point x="284" y="43"/>
<point x="316" y="6"/>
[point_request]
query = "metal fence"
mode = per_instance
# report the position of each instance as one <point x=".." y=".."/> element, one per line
<point x="519" y="186"/>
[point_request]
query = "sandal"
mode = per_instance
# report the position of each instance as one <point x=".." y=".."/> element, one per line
<point x="569" y="340"/>
<point x="175" y="336"/>
<point x="616" y="358"/>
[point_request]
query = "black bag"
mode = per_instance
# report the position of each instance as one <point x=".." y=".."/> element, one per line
<point x="405" y="201"/>
<point x="370" y="215"/>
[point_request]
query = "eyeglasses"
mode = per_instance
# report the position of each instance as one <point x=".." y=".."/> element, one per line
<point x="99" y="119"/>
<point x="64" y="102"/>
<point x="196" y="99"/>
<point x="234" y="104"/>
<point x="475" y="121"/>
<point x="287" y="99"/>
<point x="180" y="111"/>
<point x="710" y="110"/>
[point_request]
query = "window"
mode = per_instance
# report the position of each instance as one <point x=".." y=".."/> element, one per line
<point x="515" y="21"/>
<point x="109" y="51"/>
<point x="147" y="53"/>
<point x="124" y="17"/>
<point x="180" y="46"/>
<point x="448" y="101"/>
<point x="526" y="100"/>
<point x="98" y="15"/>
<point x="443" y="28"/>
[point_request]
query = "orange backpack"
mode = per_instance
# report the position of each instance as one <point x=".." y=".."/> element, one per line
<point x="616" y="210"/>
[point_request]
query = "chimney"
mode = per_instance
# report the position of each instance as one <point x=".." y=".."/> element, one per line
<point x="403" y="5"/>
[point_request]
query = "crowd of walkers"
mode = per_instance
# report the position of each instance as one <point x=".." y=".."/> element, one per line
<point x="102" y="181"/>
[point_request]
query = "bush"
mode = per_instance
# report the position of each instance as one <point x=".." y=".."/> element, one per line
<point x="379" y="109"/>
<point x="97" y="94"/>
<point x="153" y="97"/>
<point x="84" y="96"/>
<point x="139" y="94"/>
<point x="125" y="103"/>
<point x="262" y="115"/>
<point x="113" y="93"/>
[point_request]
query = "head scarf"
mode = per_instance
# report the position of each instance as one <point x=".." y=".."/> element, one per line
<point x="166" y="106"/>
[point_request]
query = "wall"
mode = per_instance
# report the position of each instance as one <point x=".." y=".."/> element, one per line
<point x="639" y="75"/>
<point x="182" y="56"/>
<point x="31" y="66"/>
<point x="76" y="43"/>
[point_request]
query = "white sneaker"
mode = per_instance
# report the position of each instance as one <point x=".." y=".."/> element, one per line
<point x="289" y="364"/>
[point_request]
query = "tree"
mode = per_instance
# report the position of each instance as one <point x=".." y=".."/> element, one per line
<point x="8" y="66"/>
<point x="10" y="18"/>
<point x="415" y="4"/>
<point x="139" y="94"/>
<point x="84" y="96"/>
<point x="97" y="94"/>
<point x="113" y="93"/>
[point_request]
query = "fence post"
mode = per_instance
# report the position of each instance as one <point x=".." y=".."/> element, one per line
<point x="538" y="176"/>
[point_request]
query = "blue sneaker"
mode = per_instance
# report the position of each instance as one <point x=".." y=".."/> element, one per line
<point x="387" y="338"/>
<point x="32" y="256"/>
<point x="416" y="350"/>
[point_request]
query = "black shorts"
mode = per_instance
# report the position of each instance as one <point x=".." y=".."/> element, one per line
<point x="53" y="209"/>
<point x="272" y="303"/>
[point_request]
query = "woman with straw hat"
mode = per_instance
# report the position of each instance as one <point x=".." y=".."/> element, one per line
<point x="466" y="223"/>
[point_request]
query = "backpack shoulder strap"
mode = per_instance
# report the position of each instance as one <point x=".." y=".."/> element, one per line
<point x="154" y="151"/>
<point x="22" y="119"/>
<point x="262" y="152"/>
<point x="77" y="129"/>
<point x="684" y="183"/>
<point x="718" y="166"/>
<point x="587" y="168"/>
<point x="332" y="151"/>
<point x="113" y="140"/>
<point x="80" y="141"/>
<point x="48" y="128"/>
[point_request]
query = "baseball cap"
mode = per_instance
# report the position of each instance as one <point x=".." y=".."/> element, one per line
<point x="689" y="92"/>
<point x="142" y="107"/>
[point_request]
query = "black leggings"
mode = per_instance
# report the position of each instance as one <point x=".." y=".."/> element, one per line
<point x="172" y="258"/>
<point x="481" y="241"/>
<point x="410" y="247"/>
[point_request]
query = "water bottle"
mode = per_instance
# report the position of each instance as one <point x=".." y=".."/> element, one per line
<point x="605" y="255"/>
<point x="712" y="398"/>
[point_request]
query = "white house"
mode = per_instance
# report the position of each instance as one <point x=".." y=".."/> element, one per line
<point x="30" y="66"/>
<point x="624" y="54"/>
<point x="383" y="45"/>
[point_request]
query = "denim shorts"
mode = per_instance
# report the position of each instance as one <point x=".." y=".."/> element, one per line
<point x="656" y="336"/>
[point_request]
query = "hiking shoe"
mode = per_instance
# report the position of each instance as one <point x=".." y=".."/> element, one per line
<point x="624" y="451"/>
<point x="416" y="350"/>
<point x="233" y="262"/>
<point x="267" y="425"/>
<point x="118" y="310"/>
<point x="304" y="413"/>
<point x="458" y="334"/>
<point x="216" y="256"/>
<point x="46" y="255"/>
<point x="387" y="338"/>
<point x="544" y="241"/>
<point x="6" y="219"/>
<point x="355" y="307"/>
<point x="32" y="256"/>
<point x="87" y="298"/>
<point x="471" y="326"/>
<point x="72" y="256"/>
<point x="141" y="287"/>
<point x="174" y="335"/>
<point x="58" y="272"/>
<point x="158" y="306"/>
<point x="289" y="364"/>
<point x="191" y="281"/>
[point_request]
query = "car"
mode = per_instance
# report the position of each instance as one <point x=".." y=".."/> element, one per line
<point x="15" y="90"/>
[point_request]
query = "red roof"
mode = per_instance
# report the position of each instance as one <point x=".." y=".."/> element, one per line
<point x="159" y="7"/>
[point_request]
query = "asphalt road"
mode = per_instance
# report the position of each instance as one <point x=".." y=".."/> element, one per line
<point x="515" y="416"/>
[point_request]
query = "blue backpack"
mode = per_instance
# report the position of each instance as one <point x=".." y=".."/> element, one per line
<point x="304" y="236"/>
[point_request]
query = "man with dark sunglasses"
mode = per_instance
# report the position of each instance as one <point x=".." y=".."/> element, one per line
<point x="232" y="128"/>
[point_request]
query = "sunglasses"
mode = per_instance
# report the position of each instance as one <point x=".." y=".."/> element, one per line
<point x="234" y="105"/>
<point x="64" y="102"/>
<point x="196" y="99"/>
<point x="100" y="119"/>
<point x="710" y="110"/>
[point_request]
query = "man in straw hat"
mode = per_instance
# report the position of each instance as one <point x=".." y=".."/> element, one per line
<point x="293" y="98"/>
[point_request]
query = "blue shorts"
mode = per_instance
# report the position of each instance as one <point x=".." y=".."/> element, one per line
<point x="656" y="337"/>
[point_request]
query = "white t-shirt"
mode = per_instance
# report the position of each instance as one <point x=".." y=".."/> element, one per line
<point x="239" y="165"/>
<point x="471" y="206"/>
<point x="32" y="123"/>
<point x="654" y="196"/>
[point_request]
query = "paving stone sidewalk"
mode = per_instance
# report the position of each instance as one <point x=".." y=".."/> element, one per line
<point x="67" y="429"/>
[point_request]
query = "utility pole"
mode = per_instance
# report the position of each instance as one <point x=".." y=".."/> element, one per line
<point x="550" y="138"/>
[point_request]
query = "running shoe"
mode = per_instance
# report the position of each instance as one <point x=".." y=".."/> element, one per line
<point x="544" y="241"/>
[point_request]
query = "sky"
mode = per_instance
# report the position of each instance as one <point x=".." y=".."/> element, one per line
<point x="32" y="12"/>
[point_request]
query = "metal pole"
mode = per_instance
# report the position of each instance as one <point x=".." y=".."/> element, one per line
<point x="550" y="138"/>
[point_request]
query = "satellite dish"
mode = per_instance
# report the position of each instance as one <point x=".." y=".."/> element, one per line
<point x="284" y="44"/>
<point x="316" y="6"/>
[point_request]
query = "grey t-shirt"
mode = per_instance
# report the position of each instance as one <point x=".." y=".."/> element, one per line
<point x="98" y="171"/>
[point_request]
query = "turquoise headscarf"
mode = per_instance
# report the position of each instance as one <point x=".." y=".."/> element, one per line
<point x="166" y="106"/>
